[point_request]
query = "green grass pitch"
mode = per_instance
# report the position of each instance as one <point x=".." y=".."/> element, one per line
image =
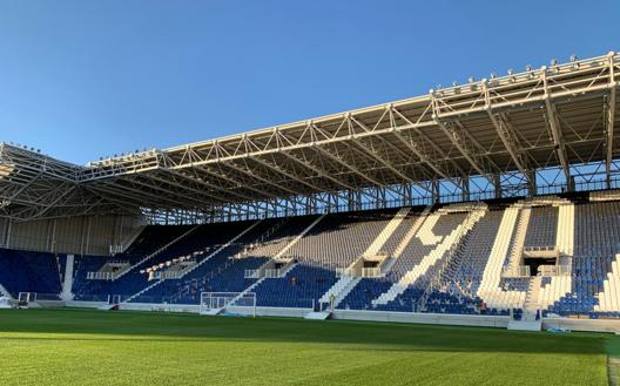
<point x="65" y="347"/>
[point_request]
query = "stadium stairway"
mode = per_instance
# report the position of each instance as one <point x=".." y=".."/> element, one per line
<point x="426" y="235"/>
<point x="257" y="283"/>
<point x="406" y="251"/>
<point x="67" y="284"/>
<point x="519" y="239"/>
<point x="533" y="292"/>
<point x="192" y="268"/>
<point x="130" y="239"/>
<point x="226" y="271"/>
<point x="142" y="291"/>
<point x="609" y="298"/>
<point x="561" y="284"/>
<point x="252" y="263"/>
<point x="530" y="319"/>
<point x="346" y="283"/>
<point x="156" y="253"/>
<point x="282" y="252"/>
<point x="195" y="266"/>
<point x="490" y="291"/>
<point x="339" y="290"/>
<point x="298" y="237"/>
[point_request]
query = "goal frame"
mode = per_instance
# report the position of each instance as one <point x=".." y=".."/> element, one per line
<point x="25" y="298"/>
<point x="220" y="300"/>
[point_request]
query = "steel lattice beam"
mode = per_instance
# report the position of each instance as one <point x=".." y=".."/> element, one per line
<point x="444" y="137"/>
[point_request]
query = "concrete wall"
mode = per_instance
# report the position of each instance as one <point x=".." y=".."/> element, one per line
<point x="594" y="325"/>
<point x="374" y="316"/>
<point x="85" y="235"/>
<point x="424" y="318"/>
<point x="260" y="311"/>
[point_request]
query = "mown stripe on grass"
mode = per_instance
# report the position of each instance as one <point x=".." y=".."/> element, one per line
<point x="60" y="347"/>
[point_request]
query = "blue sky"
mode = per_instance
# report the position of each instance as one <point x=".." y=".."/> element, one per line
<point x="83" y="79"/>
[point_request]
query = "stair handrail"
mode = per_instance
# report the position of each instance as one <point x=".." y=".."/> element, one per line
<point x="119" y="274"/>
<point x="256" y="243"/>
<point x="123" y="246"/>
<point x="434" y="282"/>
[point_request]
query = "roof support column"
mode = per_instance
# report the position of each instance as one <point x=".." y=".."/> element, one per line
<point x="435" y="189"/>
<point x="465" y="188"/>
<point x="611" y="117"/>
<point x="357" y="200"/>
<point x="554" y="125"/>
<point x="497" y="184"/>
<point x="9" y="233"/>
<point x="533" y="186"/>
<point x="407" y="194"/>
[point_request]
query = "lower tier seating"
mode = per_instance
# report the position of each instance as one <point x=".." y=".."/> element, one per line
<point x="450" y="282"/>
<point x="301" y="287"/>
<point x="29" y="272"/>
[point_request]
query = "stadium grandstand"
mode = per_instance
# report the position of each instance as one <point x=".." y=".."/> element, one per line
<point x="492" y="203"/>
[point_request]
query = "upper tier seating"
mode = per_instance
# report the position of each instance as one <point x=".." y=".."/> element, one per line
<point x="369" y="289"/>
<point x="335" y="242"/>
<point x="473" y="255"/>
<point x="446" y="225"/>
<point x="541" y="231"/>
<point x="224" y="272"/>
<point x="441" y="226"/>
<point x="436" y="227"/>
<point x="204" y="237"/>
<point x="150" y="240"/>
<point x="597" y="239"/>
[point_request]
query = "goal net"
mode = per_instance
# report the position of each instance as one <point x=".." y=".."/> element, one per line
<point x="211" y="302"/>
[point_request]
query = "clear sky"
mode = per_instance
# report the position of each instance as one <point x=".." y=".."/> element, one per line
<point x="84" y="79"/>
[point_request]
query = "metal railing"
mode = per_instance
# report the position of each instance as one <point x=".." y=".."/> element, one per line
<point x="107" y="275"/>
<point x="360" y="272"/>
<point x="516" y="272"/>
<point x="343" y="272"/>
<point x="251" y="274"/>
<point x="555" y="270"/>
<point x="273" y="273"/>
<point x="436" y="281"/>
<point x="546" y="248"/>
<point x="371" y="272"/>
<point x="270" y="273"/>
<point x="28" y="297"/>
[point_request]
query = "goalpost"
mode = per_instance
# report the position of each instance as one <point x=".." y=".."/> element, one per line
<point x="24" y="298"/>
<point x="213" y="302"/>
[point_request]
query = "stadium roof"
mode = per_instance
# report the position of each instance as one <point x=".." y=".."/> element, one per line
<point x="555" y="116"/>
